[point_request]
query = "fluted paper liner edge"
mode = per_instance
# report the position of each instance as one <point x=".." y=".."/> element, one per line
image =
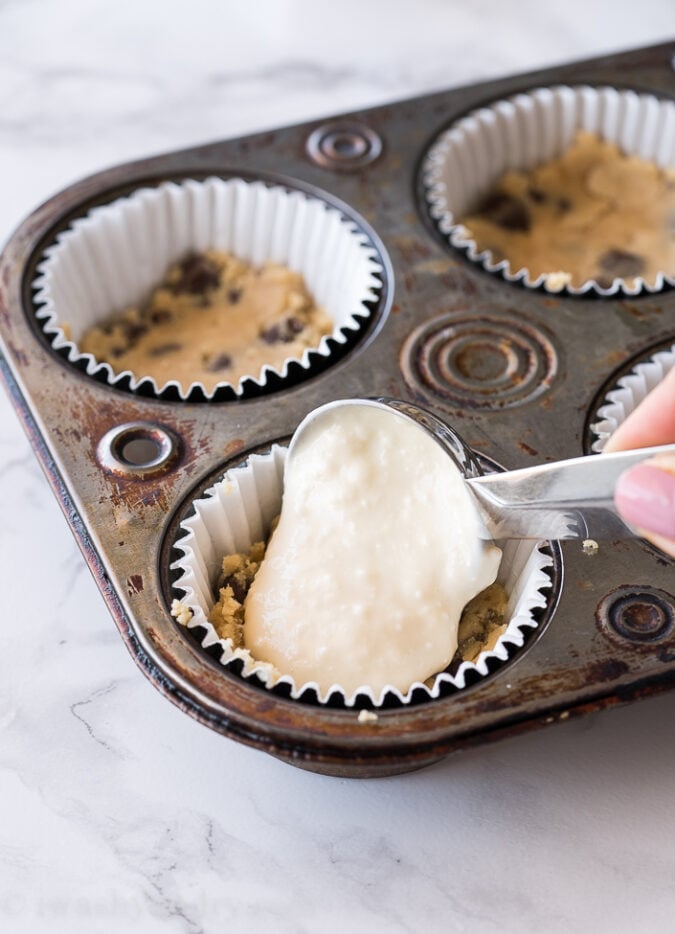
<point x="114" y="256"/>
<point x="628" y="393"/>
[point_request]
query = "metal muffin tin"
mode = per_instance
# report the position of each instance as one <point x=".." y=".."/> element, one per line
<point x="519" y="372"/>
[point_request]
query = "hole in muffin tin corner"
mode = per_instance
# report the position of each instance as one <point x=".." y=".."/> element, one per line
<point x="360" y="325"/>
<point x="139" y="450"/>
<point x="171" y="553"/>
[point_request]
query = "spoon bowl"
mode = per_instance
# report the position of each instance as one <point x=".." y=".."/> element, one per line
<point x="569" y="499"/>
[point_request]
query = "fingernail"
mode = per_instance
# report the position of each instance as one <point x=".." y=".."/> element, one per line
<point x="645" y="497"/>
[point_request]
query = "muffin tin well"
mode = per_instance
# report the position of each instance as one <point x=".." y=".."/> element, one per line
<point x="112" y="257"/>
<point x="625" y="390"/>
<point x="523" y="131"/>
<point x="238" y="510"/>
<point x="518" y="371"/>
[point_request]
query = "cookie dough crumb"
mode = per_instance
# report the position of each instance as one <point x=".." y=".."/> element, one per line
<point x="181" y="613"/>
<point x="237" y="574"/>
<point x="367" y="716"/>
<point x="556" y="281"/>
<point x="483" y="622"/>
<point x="590" y="547"/>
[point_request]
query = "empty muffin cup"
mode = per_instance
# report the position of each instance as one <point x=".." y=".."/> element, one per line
<point x="253" y="245"/>
<point x="627" y="393"/>
<point x="239" y="511"/>
<point x="514" y="139"/>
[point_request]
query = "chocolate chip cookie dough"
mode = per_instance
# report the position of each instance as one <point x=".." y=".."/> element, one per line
<point x="238" y="572"/>
<point x="214" y="319"/>
<point x="591" y="214"/>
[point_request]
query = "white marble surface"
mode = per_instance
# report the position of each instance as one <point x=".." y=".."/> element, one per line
<point x="117" y="811"/>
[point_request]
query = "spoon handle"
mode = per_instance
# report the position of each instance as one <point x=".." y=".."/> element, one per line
<point x="567" y="499"/>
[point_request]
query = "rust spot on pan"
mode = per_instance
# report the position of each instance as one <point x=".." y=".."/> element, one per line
<point x="134" y="584"/>
<point x="607" y="670"/>
<point x="233" y="447"/>
<point x="526" y="449"/>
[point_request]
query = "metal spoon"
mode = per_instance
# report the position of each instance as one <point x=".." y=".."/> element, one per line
<point x="570" y="499"/>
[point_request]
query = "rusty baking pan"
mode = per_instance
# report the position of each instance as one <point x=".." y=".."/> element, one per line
<point x="519" y="371"/>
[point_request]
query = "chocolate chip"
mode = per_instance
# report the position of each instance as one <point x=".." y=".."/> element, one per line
<point x="282" y="332"/>
<point x="162" y="349"/>
<point x="221" y="361"/>
<point x="564" y="205"/>
<point x="620" y="264"/>
<point x="160" y="315"/>
<point x="133" y="331"/>
<point x="233" y="296"/>
<point x="240" y="587"/>
<point x="272" y="334"/>
<point x="536" y="195"/>
<point x="505" y="211"/>
<point x="197" y="275"/>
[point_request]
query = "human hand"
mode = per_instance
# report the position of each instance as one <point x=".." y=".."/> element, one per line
<point x="645" y="494"/>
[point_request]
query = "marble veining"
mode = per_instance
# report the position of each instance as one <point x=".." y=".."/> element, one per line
<point x="119" y="812"/>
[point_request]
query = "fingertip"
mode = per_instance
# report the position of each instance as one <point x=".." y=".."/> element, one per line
<point x="645" y="498"/>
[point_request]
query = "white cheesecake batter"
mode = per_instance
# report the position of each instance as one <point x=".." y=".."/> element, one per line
<point x="375" y="555"/>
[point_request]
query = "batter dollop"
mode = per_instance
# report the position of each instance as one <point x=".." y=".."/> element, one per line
<point x="376" y="553"/>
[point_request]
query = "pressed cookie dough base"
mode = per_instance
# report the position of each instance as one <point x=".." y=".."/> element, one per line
<point x="238" y="573"/>
<point x="214" y="319"/>
<point x="592" y="214"/>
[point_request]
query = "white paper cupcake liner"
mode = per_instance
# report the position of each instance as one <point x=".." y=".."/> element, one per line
<point x="628" y="393"/>
<point x="524" y="131"/>
<point x="119" y="252"/>
<point x="238" y="511"/>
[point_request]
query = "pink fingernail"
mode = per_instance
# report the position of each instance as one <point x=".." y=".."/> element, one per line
<point x="645" y="497"/>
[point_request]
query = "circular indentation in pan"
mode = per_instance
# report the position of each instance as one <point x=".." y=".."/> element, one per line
<point x="479" y="362"/>
<point x="641" y="616"/>
<point x="343" y="145"/>
<point x="109" y="261"/>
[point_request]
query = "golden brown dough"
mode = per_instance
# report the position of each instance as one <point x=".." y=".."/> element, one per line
<point x="214" y="319"/>
<point x="592" y="213"/>
<point x="238" y="572"/>
<point x="483" y="622"/>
